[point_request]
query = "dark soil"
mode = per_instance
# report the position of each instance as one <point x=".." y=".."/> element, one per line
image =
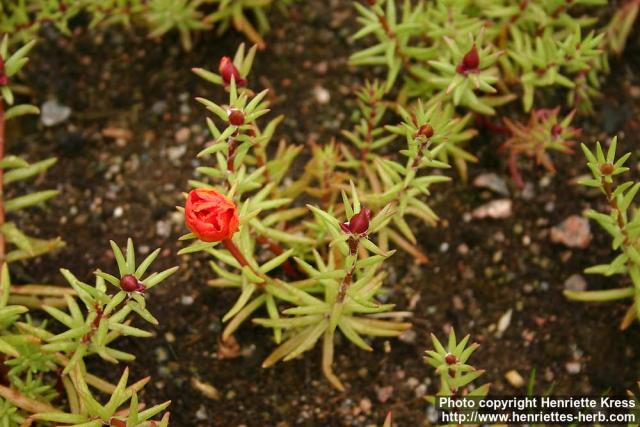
<point x="479" y="269"/>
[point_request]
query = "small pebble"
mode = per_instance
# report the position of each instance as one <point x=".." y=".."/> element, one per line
<point x="182" y="135"/>
<point x="493" y="182"/>
<point x="53" y="113"/>
<point x="161" y="355"/>
<point x="201" y="413"/>
<point x="117" y="212"/>
<point x="573" y="232"/>
<point x="463" y="249"/>
<point x="163" y="228"/>
<point x="408" y="336"/>
<point x="575" y="282"/>
<point x="175" y="153"/>
<point x="365" y="405"/>
<point x="514" y="378"/>
<point x="321" y="94"/>
<point x="504" y="322"/>
<point x="384" y="393"/>
<point x="206" y="389"/>
<point x="497" y="209"/>
<point x="573" y="368"/>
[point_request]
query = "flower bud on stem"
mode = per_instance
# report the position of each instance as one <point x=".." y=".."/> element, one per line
<point x="129" y="283"/>
<point x="470" y="61"/>
<point x="235" y="251"/>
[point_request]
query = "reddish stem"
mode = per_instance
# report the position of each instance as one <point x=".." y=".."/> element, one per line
<point x="233" y="249"/>
<point x="513" y="169"/>
<point x="485" y="122"/>
<point x="277" y="250"/>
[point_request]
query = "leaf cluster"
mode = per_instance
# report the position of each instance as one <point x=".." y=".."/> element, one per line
<point x="451" y="365"/>
<point x="24" y="19"/>
<point x="93" y="319"/>
<point x="522" y="47"/>
<point x="15" y="169"/>
<point x="621" y="222"/>
<point x="292" y="257"/>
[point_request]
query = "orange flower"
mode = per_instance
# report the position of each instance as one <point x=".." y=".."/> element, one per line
<point x="210" y="215"/>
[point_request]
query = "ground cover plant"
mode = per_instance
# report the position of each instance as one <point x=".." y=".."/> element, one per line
<point x="25" y="19"/>
<point x="43" y="364"/>
<point x="477" y="57"/>
<point x="330" y="215"/>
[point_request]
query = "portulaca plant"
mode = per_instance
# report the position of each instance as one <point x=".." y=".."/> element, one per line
<point x="306" y="251"/>
<point x="622" y="222"/>
<point x="45" y="377"/>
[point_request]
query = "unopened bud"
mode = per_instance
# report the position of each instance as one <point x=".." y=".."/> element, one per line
<point x="359" y="223"/>
<point x="450" y="359"/>
<point x="426" y="130"/>
<point x="556" y="130"/>
<point x="129" y="283"/>
<point x="470" y="61"/>
<point x="236" y="117"/>
<point x="606" y="168"/>
<point x="227" y="70"/>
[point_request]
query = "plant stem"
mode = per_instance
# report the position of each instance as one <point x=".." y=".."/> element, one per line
<point x="235" y="251"/>
<point x="327" y="360"/>
<point x="614" y="206"/>
<point x="397" y="48"/>
<point x="348" y="276"/>
<point x="371" y="117"/>
<point x="277" y="250"/>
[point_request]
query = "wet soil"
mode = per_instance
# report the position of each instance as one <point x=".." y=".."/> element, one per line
<point x="480" y="269"/>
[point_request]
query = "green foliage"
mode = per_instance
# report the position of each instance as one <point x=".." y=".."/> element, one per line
<point x="621" y="25"/>
<point x="15" y="169"/>
<point x="451" y="365"/>
<point x="163" y="16"/>
<point x="24" y="19"/>
<point x="234" y="13"/>
<point x="40" y="364"/>
<point x="93" y="319"/>
<point x="622" y="222"/>
<point x="519" y="47"/>
<point x="95" y="414"/>
<point x="313" y="272"/>
<point x="473" y="56"/>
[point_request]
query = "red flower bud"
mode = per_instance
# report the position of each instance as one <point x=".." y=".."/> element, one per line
<point x="236" y="117"/>
<point x="129" y="283"/>
<point x="358" y="224"/>
<point x="4" y="79"/>
<point x="556" y="130"/>
<point x="470" y="61"/>
<point x="228" y="70"/>
<point x="450" y="359"/>
<point x="426" y="130"/>
<point x="210" y="215"/>
<point x="607" y="169"/>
